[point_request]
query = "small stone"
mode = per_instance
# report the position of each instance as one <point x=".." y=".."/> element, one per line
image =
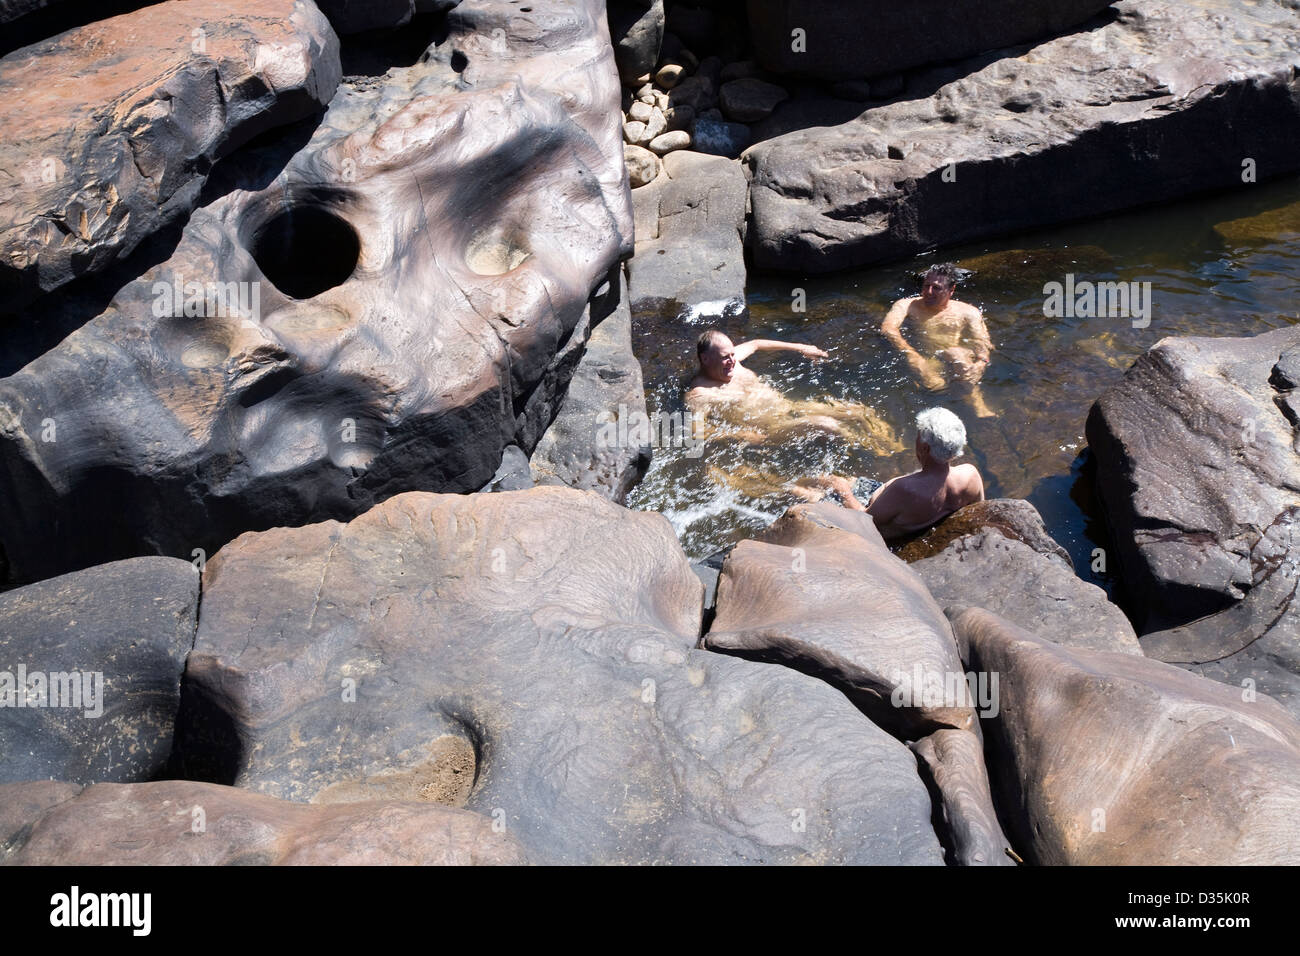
<point x="695" y="91"/>
<point x="667" y="142"/>
<point x="688" y="59"/>
<point x="657" y="123"/>
<point x="642" y="165"/>
<point x="711" y="66"/>
<point x="640" y="112"/>
<point x="644" y="90"/>
<point x="721" y="138"/>
<point x="634" y="132"/>
<point x="669" y="75"/>
<point x="751" y="100"/>
<point x="661" y="99"/>
<point x="643" y="79"/>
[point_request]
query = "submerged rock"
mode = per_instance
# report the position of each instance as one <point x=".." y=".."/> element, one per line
<point x="1106" y="759"/>
<point x="540" y="644"/>
<point x="1145" y="123"/>
<point x="386" y="309"/>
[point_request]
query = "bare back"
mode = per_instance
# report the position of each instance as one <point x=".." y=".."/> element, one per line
<point x="913" y="502"/>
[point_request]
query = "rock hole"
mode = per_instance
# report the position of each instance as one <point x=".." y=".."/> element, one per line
<point x="306" y="250"/>
<point x="459" y="61"/>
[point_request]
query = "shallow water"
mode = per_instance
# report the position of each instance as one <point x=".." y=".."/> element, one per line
<point x="1223" y="265"/>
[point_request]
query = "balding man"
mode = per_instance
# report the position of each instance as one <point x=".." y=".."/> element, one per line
<point x="725" y="388"/>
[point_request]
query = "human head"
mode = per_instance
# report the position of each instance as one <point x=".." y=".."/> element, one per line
<point x="942" y="434"/>
<point x="716" y="354"/>
<point x="938" y="285"/>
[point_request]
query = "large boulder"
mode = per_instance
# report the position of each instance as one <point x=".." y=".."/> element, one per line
<point x="952" y="763"/>
<point x="1113" y="759"/>
<point x="689" y="238"/>
<point x="998" y="555"/>
<point x="1198" y="467"/>
<point x="531" y="656"/>
<point x="637" y="29"/>
<point x="90" y="671"/>
<point x="182" y="823"/>
<point x="851" y="39"/>
<point x="109" y="130"/>
<point x="955" y="159"/>
<point x="584" y="447"/>
<point x="822" y="593"/>
<point x="407" y="283"/>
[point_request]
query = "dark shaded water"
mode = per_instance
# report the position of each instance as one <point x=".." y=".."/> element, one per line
<point x="1224" y="265"/>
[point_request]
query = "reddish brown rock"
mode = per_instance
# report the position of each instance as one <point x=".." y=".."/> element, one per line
<point x="822" y="593"/>
<point x="1112" y="759"/>
<point x="181" y="823"/>
<point x="108" y="130"/>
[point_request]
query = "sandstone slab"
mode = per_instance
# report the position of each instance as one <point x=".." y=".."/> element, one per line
<point x="182" y="823"/>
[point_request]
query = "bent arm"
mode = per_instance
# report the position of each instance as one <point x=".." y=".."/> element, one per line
<point x="745" y="349"/>
<point x="981" y="345"/>
<point x="892" y="329"/>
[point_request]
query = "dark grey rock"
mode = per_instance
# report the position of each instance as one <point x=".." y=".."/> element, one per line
<point x="605" y="390"/>
<point x="721" y="138"/>
<point x="120" y="631"/>
<point x="637" y="29"/>
<point x="422" y="267"/>
<point x="1148" y="124"/>
<point x="850" y="39"/>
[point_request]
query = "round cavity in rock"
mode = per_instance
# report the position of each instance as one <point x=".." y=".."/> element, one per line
<point x="306" y="250"/>
<point x="491" y="254"/>
<point x="204" y="354"/>
<point x="446" y="776"/>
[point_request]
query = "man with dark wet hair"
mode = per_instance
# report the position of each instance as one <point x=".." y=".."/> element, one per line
<point x="954" y="341"/>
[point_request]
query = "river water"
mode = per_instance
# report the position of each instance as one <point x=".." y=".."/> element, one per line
<point x="1222" y="265"/>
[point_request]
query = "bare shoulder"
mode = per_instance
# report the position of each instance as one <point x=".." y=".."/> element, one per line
<point x="971" y="482"/>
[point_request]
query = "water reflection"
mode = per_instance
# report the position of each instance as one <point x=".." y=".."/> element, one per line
<point x="1227" y="265"/>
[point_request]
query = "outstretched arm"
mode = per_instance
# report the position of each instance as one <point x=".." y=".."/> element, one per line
<point x="745" y="349"/>
<point x="892" y="329"/>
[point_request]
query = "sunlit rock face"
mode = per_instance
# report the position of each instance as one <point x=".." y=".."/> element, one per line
<point x="1103" y="118"/>
<point x="109" y="130"/>
<point x="375" y="313"/>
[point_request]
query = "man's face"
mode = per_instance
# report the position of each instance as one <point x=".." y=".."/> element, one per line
<point x="720" y="359"/>
<point x="935" y="291"/>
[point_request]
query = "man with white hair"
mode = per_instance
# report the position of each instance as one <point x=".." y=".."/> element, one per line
<point x="911" y="503"/>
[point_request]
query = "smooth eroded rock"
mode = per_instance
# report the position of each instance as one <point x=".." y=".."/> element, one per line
<point x="1146" y="122"/>
<point x="385" y="309"/>
<point x="531" y="655"/>
<point x="90" y="671"/>
<point x="1117" y="760"/>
